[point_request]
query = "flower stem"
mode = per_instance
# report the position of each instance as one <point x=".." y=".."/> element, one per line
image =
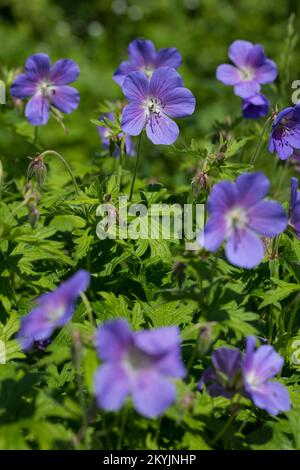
<point x="136" y="166"/>
<point x="258" y="146"/>
<point x="35" y="137"/>
<point x="123" y="425"/>
<point x="122" y="146"/>
<point x="88" y="307"/>
<point x="56" y="154"/>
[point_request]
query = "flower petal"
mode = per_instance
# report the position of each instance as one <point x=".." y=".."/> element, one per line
<point x="255" y="107"/>
<point x="152" y="393"/>
<point x="136" y="87"/>
<point x="179" y="102"/>
<point x="213" y="234"/>
<point x="23" y="87"/>
<point x="247" y="88"/>
<point x="238" y="52"/>
<point x="228" y="361"/>
<point x="162" y="130"/>
<point x="64" y="71"/>
<point x="267" y="72"/>
<point x="244" y="249"/>
<point x="37" y="110"/>
<point x="272" y="397"/>
<point x="112" y="386"/>
<point x="283" y="148"/>
<point x="256" y="56"/>
<point x="65" y="98"/>
<point x="142" y="52"/>
<point x="222" y="197"/>
<point x="228" y="74"/>
<point x="252" y="187"/>
<point x="158" y="341"/>
<point x="163" y="81"/>
<point x="112" y="339"/>
<point x="168" y="57"/>
<point x="38" y="67"/>
<point x="133" y="119"/>
<point x="124" y="69"/>
<point x="267" y="218"/>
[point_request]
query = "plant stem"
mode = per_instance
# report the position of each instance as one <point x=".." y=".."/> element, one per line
<point x="136" y="165"/>
<point x="122" y="146"/>
<point x="123" y="425"/>
<point x="88" y="307"/>
<point x="257" y="149"/>
<point x="56" y="154"/>
<point x="292" y="321"/>
<point x="35" y="137"/>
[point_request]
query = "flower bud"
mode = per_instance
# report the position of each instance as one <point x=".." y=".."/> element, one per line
<point x="38" y="169"/>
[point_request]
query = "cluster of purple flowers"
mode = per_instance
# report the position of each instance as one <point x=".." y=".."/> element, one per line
<point x="240" y="215"/>
<point x="155" y="92"/>
<point x="249" y="375"/>
<point x="251" y="69"/>
<point x="285" y="134"/>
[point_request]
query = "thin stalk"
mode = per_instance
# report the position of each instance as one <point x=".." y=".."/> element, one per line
<point x="35" y="136"/>
<point x="258" y="147"/>
<point x="88" y="307"/>
<point x="56" y="154"/>
<point x="136" y="166"/>
<point x="123" y="425"/>
<point x="120" y="167"/>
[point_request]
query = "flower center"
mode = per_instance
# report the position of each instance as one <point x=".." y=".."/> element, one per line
<point x="153" y="106"/>
<point x="46" y="88"/>
<point x="247" y="74"/>
<point x="236" y="218"/>
<point x="135" y="360"/>
<point x="56" y="313"/>
<point x="253" y="380"/>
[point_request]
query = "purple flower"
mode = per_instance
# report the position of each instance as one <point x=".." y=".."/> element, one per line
<point x="240" y="215"/>
<point x="248" y="375"/>
<point x="255" y="107"/>
<point x="250" y="70"/>
<point x="294" y="213"/>
<point x="151" y="102"/>
<point x="48" y="87"/>
<point x="144" y="58"/>
<point x="258" y="368"/>
<point x="105" y="136"/>
<point x="139" y="364"/>
<point x="52" y="311"/>
<point x="224" y="378"/>
<point x="285" y="134"/>
<point x="296" y="159"/>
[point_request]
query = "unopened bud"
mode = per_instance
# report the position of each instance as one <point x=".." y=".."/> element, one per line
<point x="205" y="338"/>
<point x="179" y="272"/>
<point x="38" y="169"/>
<point x="200" y="181"/>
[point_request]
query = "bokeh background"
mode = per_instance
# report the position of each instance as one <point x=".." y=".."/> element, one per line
<point x="96" y="34"/>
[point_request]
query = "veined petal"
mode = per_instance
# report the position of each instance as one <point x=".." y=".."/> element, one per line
<point x="168" y="57"/>
<point x="136" y="87"/>
<point x="23" y="87"/>
<point x="244" y="249"/>
<point x="222" y="197"/>
<point x="37" y="110"/>
<point x="179" y="102"/>
<point x="64" y="71"/>
<point x="256" y="56"/>
<point x="272" y="397"/>
<point x="267" y="218"/>
<point x="133" y="119"/>
<point x="124" y="69"/>
<point x="163" y="81"/>
<point x="252" y="187"/>
<point x="65" y="98"/>
<point x="38" y="67"/>
<point x="142" y="52"/>
<point x="161" y="130"/>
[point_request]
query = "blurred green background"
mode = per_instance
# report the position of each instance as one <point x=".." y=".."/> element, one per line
<point x="96" y="34"/>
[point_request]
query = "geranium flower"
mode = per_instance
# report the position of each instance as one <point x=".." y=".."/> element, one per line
<point x="258" y="368"/>
<point x="140" y="364"/>
<point x="240" y="215"/>
<point x="255" y="107"/>
<point x="224" y="378"/>
<point x="294" y="213"/>
<point x="285" y="134"/>
<point x="143" y="57"/>
<point x="151" y="102"/>
<point x="248" y="375"/>
<point x="53" y="310"/>
<point x="48" y="86"/>
<point x="105" y="136"/>
<point x="250" y="70"/>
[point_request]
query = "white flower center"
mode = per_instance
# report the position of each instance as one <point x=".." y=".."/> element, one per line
<point x="247" y="73"/>
<point x="148" y="70"/>
<point x="253" y="380"/>
<point x="135" y="360"/>
<point x="236" y="218"/>
<point x="153" y="106"/>
<point x="46" y="89"/>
